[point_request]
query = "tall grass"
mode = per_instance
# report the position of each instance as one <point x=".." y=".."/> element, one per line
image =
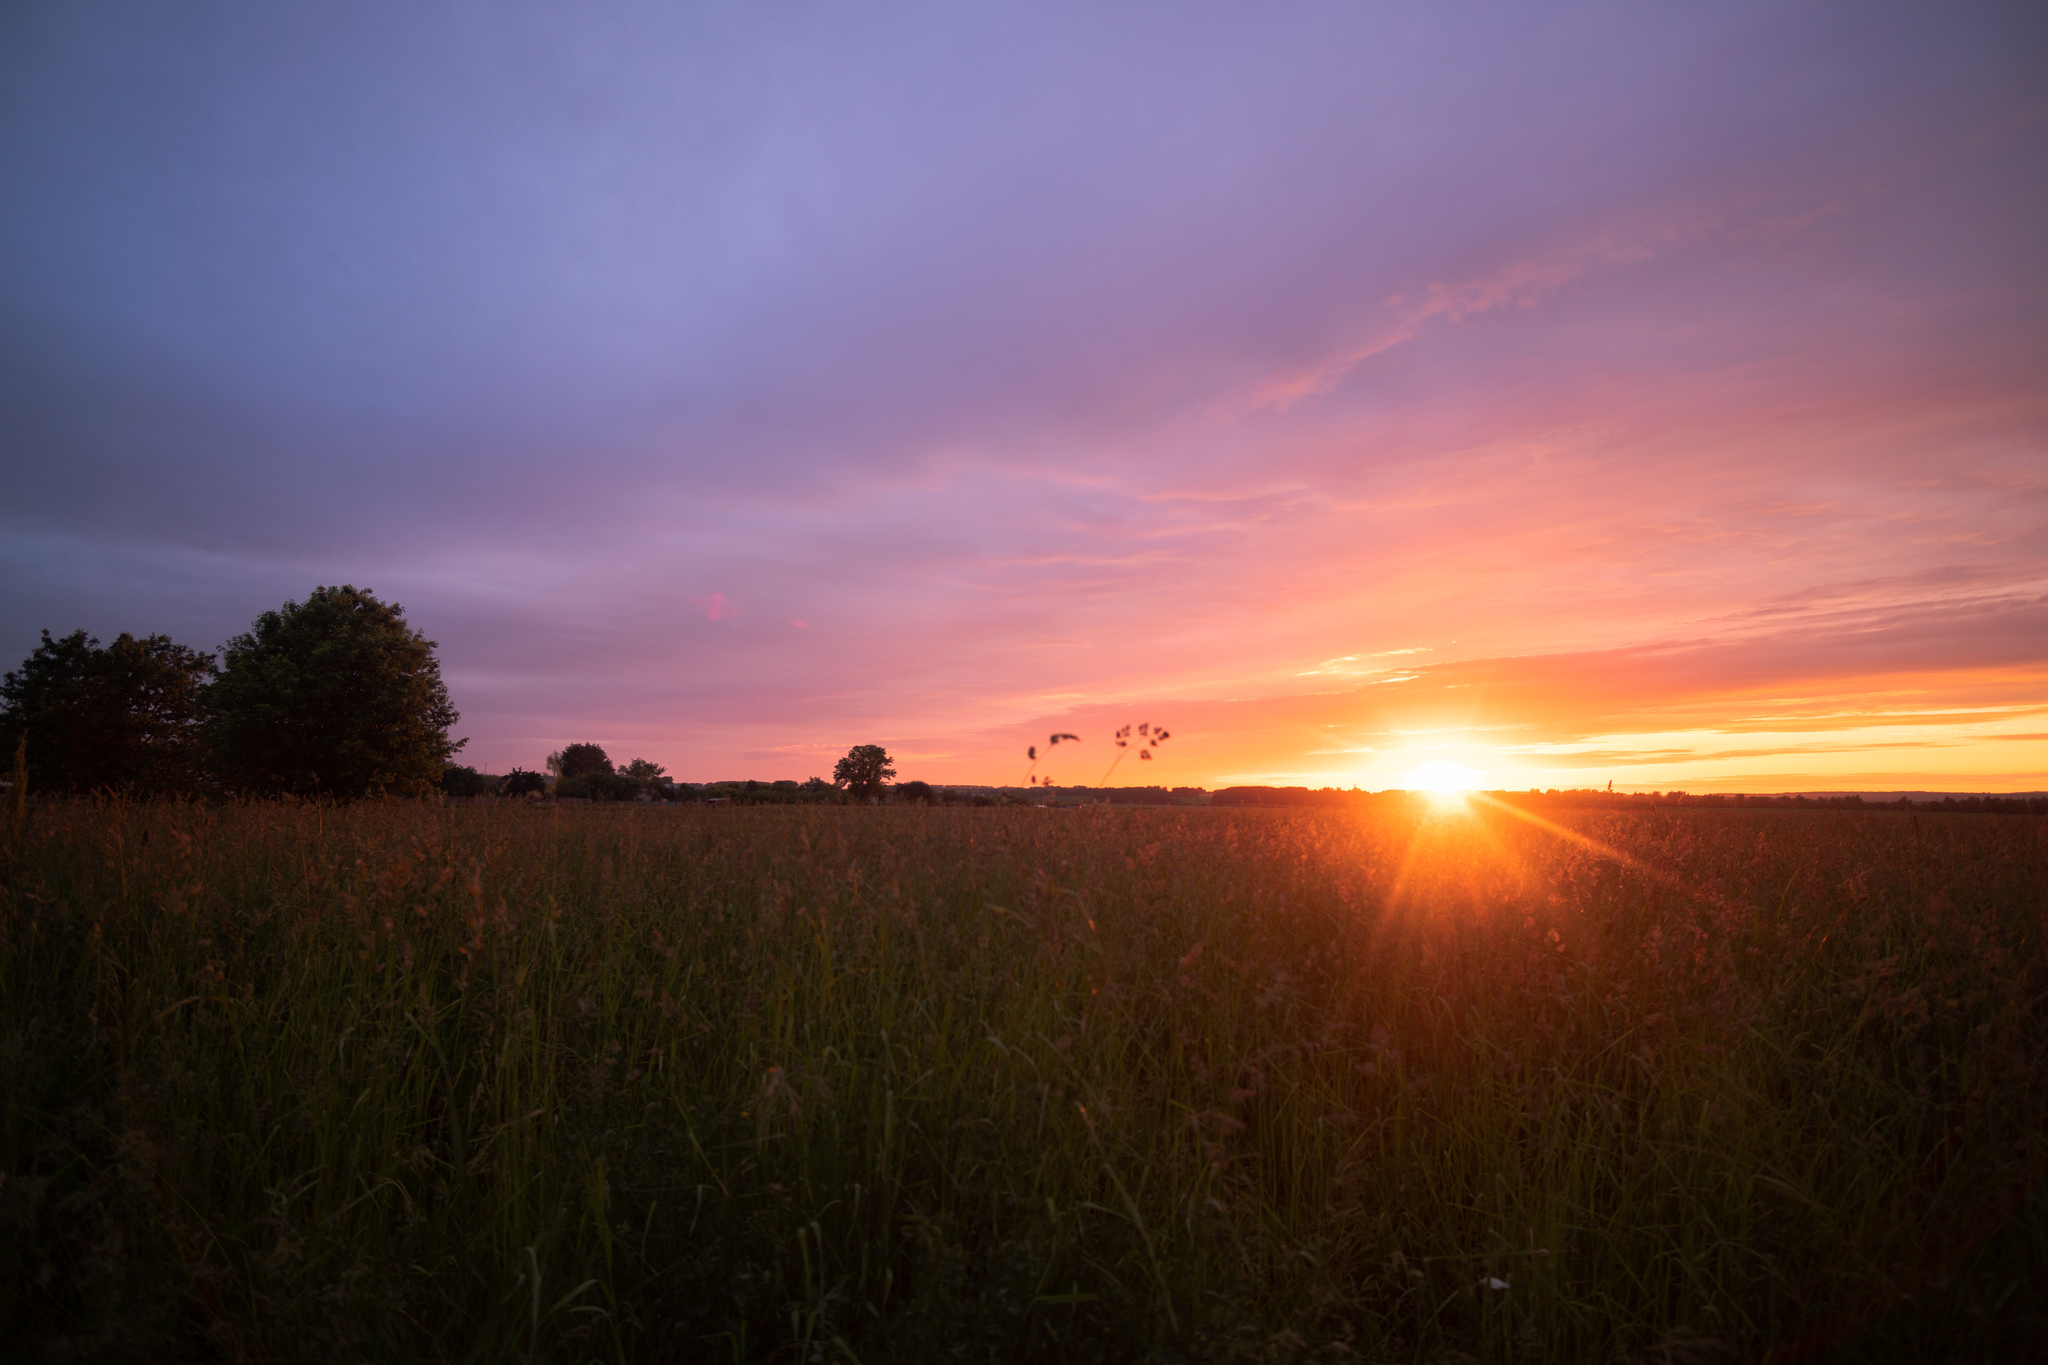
<point x="493" y="1083"/>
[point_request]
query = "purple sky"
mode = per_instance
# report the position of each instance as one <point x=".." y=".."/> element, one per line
<point x="1631" y="391"/>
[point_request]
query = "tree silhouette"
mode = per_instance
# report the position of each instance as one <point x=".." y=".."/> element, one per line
<point x="864" y="769"/>
<point x="123" y="717"/>
<point x="336" y="695"/>
<point x="580" y="759"/>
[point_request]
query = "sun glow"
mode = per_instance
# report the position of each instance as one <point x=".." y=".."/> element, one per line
<point x="1442" y="776"/>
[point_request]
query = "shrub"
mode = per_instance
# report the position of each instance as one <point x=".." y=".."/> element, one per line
<point x="520" y="782"/>
<point x="459" y="780"/>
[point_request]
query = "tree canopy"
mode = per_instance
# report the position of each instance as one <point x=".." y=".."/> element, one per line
<point x="864" y="769"/>
<point x="123" y="717"/>
<point x="580" y="760"/>
<point x="336" y="695"/>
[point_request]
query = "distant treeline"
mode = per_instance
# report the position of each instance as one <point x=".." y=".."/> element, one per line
<point x="468" y="782"/>
<point x="1117" y="796"/>
<point x="1594" y="799"/>
<point x="624" y="786"/>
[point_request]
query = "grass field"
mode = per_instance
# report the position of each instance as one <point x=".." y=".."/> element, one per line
<point x="1438" y="1082"/>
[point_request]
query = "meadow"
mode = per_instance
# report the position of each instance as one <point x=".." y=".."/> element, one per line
<point x="1439" y="1081"/>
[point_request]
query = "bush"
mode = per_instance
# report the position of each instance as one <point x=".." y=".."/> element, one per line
<point x="460" y="780"/>
<point x="520" y="782"/>
<point x="599" y="786"/>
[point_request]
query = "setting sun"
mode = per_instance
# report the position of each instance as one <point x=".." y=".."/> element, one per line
<point x="1442" y="776"/>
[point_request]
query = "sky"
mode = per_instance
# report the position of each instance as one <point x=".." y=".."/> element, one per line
<point x="1644" y="393"/>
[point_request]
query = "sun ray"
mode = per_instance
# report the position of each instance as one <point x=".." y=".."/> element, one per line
<point x="1656" y="874"/>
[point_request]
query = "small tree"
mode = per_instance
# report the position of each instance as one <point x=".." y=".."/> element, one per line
<point x="643" y="771"/>
<point x="335" y="695"/>
<point x="124" y="717"/>
<point x="918" y="793"/>
<point x="586" y="771"/>
<point x="863" y="771"/>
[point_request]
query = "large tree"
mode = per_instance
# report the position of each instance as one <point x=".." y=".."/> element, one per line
<point x="335" y="695"/>
<point x="122" y="718"/>
<point x="864" y="769"/>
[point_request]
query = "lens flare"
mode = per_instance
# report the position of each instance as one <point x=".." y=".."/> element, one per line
<point x="1442" y="776"/>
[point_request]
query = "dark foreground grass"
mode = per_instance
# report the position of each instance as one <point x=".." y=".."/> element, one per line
<point x="491" y="1083"/>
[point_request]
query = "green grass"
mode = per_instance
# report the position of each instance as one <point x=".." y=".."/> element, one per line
<point x="494" y="1083"/>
